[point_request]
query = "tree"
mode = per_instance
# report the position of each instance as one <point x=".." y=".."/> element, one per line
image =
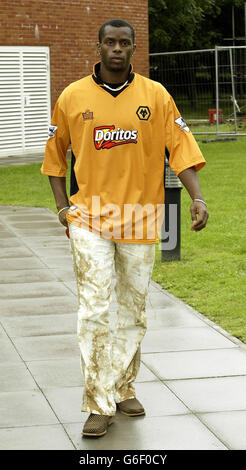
<point x="216" y="26"/>
<point x="191" y="24"/>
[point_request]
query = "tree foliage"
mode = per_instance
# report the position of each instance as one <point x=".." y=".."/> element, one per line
<point x="192" y="24"/>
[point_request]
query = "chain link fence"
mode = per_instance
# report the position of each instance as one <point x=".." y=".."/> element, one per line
<point x="209" y="87"/>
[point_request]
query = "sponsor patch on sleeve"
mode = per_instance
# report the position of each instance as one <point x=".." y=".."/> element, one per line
<point x="182" y="124"/>
<point x="52" y="130"/>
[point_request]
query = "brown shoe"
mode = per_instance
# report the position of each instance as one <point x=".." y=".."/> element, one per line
<point x="96" y="425"/>
<point x="131" y="407"/>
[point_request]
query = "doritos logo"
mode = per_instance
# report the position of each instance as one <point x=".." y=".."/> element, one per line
<point x="106" y="137"/>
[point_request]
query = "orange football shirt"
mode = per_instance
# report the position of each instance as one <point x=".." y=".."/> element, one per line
<point x="119" y="146"/>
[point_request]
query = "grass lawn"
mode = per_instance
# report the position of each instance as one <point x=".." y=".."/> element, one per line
<point x="211" y="128"/>
<point x="211" y="275"/>
<point x="24" y="185"/>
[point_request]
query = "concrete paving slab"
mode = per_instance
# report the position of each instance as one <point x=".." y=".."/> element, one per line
<point x="3" y="333"/>
<point x="40" y="317"/>
<point x="40" y="325"/>
<point x="47" y="252"/>
<point x="57" y="373"/>
<point x="34" y="224"/>
<point x="15" y="252"/>
<point x="66" y="402"/>
<point x="3" y="224"/>
<point x="171" y="317"/>
<point x="216" y="394"/>
<point x="160" y="300"/>
<point x="11" y="210"/>
<point x="41" y="242"/>
<point x="10" y="243"/>
<point x="25" y="408"/>
<point x="37" y="289"/>
<point x="229" y="426"/>
<point x="6" y="234"/>
<point x="8" y="352"/>
<point x="72" y="286"/>
<point x="39" y="306"/>
<point x="164" y="402"/>
<point x="181" y="432"/>
<point x="20" y="263"/>
<point x="35" y="438"/>
<point x="66" y="275"/>
<point x="145" y="375"/>
<point x="26" y="276"/>
<point x="181" y="339"/>
<point x="152" y="287"/>
<point x="196" y="364"/>
<point x="25" y="232"/>
<point x="67" y="373"/>
<point x="4" y="231"/>
<point x="47" y="347"/>
<point x="29" y="216"/>
<point x="21" y="159"/>
<point x="54" y="262"/>
<point x="15" y="377"/>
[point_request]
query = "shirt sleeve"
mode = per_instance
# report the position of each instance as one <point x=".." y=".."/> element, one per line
<point x="54" y="163"/>
<point x="182" y="147"/>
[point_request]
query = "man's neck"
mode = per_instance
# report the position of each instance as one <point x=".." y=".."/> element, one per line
<point x="109" y="76"/>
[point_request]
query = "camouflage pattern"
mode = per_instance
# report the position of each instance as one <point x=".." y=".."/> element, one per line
<point x="110" y="360"/>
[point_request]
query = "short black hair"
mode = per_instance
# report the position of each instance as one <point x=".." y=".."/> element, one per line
<point x="117" y="23"/>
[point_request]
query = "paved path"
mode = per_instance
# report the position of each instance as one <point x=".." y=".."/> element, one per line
<point x="192" y="379"/>
<point x="21" y="159"/>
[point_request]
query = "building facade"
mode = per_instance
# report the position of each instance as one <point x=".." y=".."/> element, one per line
<point x="44" y="46"/>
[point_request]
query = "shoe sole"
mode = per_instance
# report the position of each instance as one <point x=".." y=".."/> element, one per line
<point x="90" y="434"/>
<point x="141" y="413"/>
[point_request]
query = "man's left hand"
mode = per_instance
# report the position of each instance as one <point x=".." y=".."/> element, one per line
<point x="198" y="209"/>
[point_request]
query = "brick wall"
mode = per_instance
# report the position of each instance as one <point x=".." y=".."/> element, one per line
<point x="70" y="29"/>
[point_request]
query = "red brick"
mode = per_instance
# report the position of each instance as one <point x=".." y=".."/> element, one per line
<point x="71" y="31"/>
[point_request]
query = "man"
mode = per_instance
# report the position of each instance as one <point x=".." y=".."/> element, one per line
<point x="119" y="124"/>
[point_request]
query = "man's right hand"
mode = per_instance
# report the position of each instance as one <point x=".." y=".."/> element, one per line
<point x="62" y="218"/>
<point x="58" y="185"/>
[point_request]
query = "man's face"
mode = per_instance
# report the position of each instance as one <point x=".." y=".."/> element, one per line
<point x="116" y="48"/>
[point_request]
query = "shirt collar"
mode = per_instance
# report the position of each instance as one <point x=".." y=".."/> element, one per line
<point x="97" y="77"/>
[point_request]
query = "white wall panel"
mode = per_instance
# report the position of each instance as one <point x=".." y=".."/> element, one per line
<point x="24" y="99"/>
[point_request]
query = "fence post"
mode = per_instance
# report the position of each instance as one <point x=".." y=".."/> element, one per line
<point x="216" y="74"/>
<point x="233" y="90"/>
<point x="217" y="89"/>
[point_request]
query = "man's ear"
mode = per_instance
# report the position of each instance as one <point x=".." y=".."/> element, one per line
<point x="98" y="48"/>
<point x="134" y="49"/>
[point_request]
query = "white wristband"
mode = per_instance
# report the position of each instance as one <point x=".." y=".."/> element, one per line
<point x="200" y="200"/>
<point x="63" y="209"/>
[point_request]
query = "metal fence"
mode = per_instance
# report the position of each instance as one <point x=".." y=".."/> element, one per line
<point x="209" y="87"/>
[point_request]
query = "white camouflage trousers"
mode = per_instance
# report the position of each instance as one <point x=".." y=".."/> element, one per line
<point x="109" y="360"/>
